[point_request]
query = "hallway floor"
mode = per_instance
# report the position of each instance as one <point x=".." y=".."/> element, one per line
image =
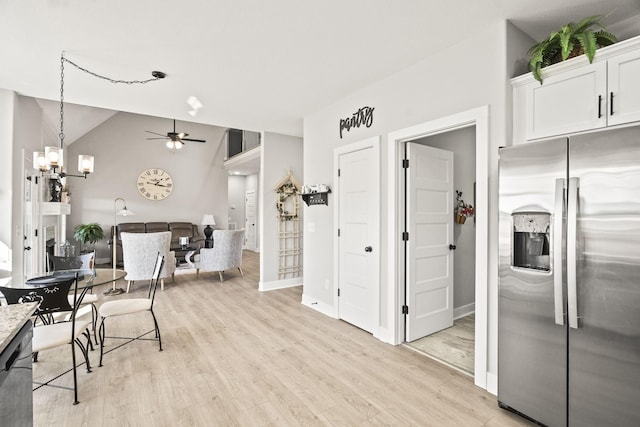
<point x="453" y="346"/>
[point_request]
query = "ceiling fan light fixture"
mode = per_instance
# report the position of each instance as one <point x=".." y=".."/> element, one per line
<point x="178" y="145"/>
<point x="170" y="145"/>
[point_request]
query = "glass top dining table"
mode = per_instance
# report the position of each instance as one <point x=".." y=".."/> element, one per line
<point x="86" y="278"/>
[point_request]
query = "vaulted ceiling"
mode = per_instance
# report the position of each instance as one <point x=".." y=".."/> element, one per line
<point x="253" y="64"/>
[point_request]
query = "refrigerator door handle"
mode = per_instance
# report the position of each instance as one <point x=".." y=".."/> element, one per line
<point x="558" y="214"/>
<point x="572" y="210"/>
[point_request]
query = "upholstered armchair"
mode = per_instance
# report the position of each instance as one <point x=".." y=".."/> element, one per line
<point x="139" y="252"/>
<point x="225" y="254"/>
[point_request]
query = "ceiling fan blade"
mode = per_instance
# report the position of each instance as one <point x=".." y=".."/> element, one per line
<point x="193" y="140"/>
<point x="156" y="133"/>
<point x="156" y="138"/>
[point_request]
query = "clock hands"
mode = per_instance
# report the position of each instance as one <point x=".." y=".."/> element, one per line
<point x="157" y="184"/>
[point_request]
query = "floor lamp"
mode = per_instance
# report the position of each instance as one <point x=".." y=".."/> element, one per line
<point x="114" y="242"/>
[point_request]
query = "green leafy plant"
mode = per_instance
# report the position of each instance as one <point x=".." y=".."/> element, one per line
<point x="88" y="233"/>
<point x="570" y="41"/>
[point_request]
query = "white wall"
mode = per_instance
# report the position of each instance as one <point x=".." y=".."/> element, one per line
<point x="21" y="120"/>
<point x="7" y="102"/>
<point x="122" y="152"/>
<point x="280" y="154"/>
<point x="466" y="76"/>
<point x="461" y="142"/>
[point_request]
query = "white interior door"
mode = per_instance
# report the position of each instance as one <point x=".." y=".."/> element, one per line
<point x="250" y="220"/>
<point x="429" y="207"/>
<point x="359" y="227"/>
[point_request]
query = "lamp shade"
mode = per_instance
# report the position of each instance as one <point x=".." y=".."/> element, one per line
<point x="207" y="219"/>
<point x="54" y="155"/>
<point x="125" y="212"/>
<point x="40" y="161"/>
<point x="85" y="163"/>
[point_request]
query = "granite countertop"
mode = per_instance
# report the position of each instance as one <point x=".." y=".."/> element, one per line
<point x="12" y="318"/>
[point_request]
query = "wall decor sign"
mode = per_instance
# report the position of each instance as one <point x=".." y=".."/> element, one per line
<point x="364" y="116"/>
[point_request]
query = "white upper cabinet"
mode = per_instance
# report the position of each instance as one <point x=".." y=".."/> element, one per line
<point x="624" y="88"/>
<point x="568" y="102"/>
<point x="577" y="96"/>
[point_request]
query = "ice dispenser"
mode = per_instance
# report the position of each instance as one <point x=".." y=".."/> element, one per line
<point x="531" y="240"/>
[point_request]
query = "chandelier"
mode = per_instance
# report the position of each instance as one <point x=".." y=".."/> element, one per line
<point x="52" y="158"/>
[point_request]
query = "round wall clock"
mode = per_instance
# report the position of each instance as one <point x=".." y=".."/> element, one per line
<point x="155" y="184"/>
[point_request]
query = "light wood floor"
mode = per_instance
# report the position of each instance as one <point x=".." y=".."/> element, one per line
<point x="236" y="356"/>
<point x="453" y="346"/>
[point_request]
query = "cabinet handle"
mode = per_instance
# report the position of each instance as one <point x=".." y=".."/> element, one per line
<point x="611" y="103"/>
<point x="599" y="106"/>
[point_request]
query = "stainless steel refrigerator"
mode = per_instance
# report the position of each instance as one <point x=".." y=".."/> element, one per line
<point x="569" y="280"/>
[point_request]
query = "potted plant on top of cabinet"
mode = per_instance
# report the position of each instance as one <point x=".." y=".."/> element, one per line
<point x="570" y="41"/>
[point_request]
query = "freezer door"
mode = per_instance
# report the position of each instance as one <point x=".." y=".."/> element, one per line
<point x="604" y="349"/>
<point x="531" y="345"/>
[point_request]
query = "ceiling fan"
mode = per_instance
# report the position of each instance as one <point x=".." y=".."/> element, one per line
<point x="175" y="140"/>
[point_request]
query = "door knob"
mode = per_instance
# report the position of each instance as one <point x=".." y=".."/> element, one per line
<point x="28" y="248"/>
<point x="368" y="249"/>
<point x="452" y="247"/>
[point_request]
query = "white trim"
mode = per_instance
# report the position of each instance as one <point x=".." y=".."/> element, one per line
<point x="279" y="284"/>
<point x="374" y="143"/>
<point x="326" y="309"/>
<point x="464" y="311"/>
<point x="492" y="383"/>
<point x="478" y="117"/>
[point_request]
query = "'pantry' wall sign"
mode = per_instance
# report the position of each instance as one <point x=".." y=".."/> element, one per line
<point x="364" y="116"/>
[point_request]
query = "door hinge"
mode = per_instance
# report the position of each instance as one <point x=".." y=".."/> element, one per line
<point x="405" y="309"/>
<point x="405" y="236"/>
<point x="405" y="163"/>
<point x="338" y="172"/>
<point x="338" y="291"/>
<point x="338" y="232"/>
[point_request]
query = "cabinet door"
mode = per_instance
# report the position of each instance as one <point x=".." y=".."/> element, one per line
<point x="570" y="102"/>
<point x="624" y="88"/>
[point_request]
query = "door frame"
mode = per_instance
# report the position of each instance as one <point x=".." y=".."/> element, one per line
<point x="374" y="144"/>
<point x="478" y="117"/>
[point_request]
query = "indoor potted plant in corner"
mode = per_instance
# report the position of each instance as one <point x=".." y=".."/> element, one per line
<point x="570" y="41"/>
<point x="88" y="233"/>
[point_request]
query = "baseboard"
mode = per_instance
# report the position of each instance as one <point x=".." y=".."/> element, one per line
<point x="492" y="383"/>
<point x="279" y="284"/>
<point x="319" y="306"/>
<point x="385" y="335"/>
<point x="463" y="311"/>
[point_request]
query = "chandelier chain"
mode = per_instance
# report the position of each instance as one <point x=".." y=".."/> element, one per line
<point x="61" y="135"/>
<point x="157" y="75"/>
<point x="128" y="82"/>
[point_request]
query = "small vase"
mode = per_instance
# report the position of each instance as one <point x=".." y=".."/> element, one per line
<point x="460" y="219"/>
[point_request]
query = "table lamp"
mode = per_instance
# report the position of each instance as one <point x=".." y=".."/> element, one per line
<point x="207" y="219"/>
